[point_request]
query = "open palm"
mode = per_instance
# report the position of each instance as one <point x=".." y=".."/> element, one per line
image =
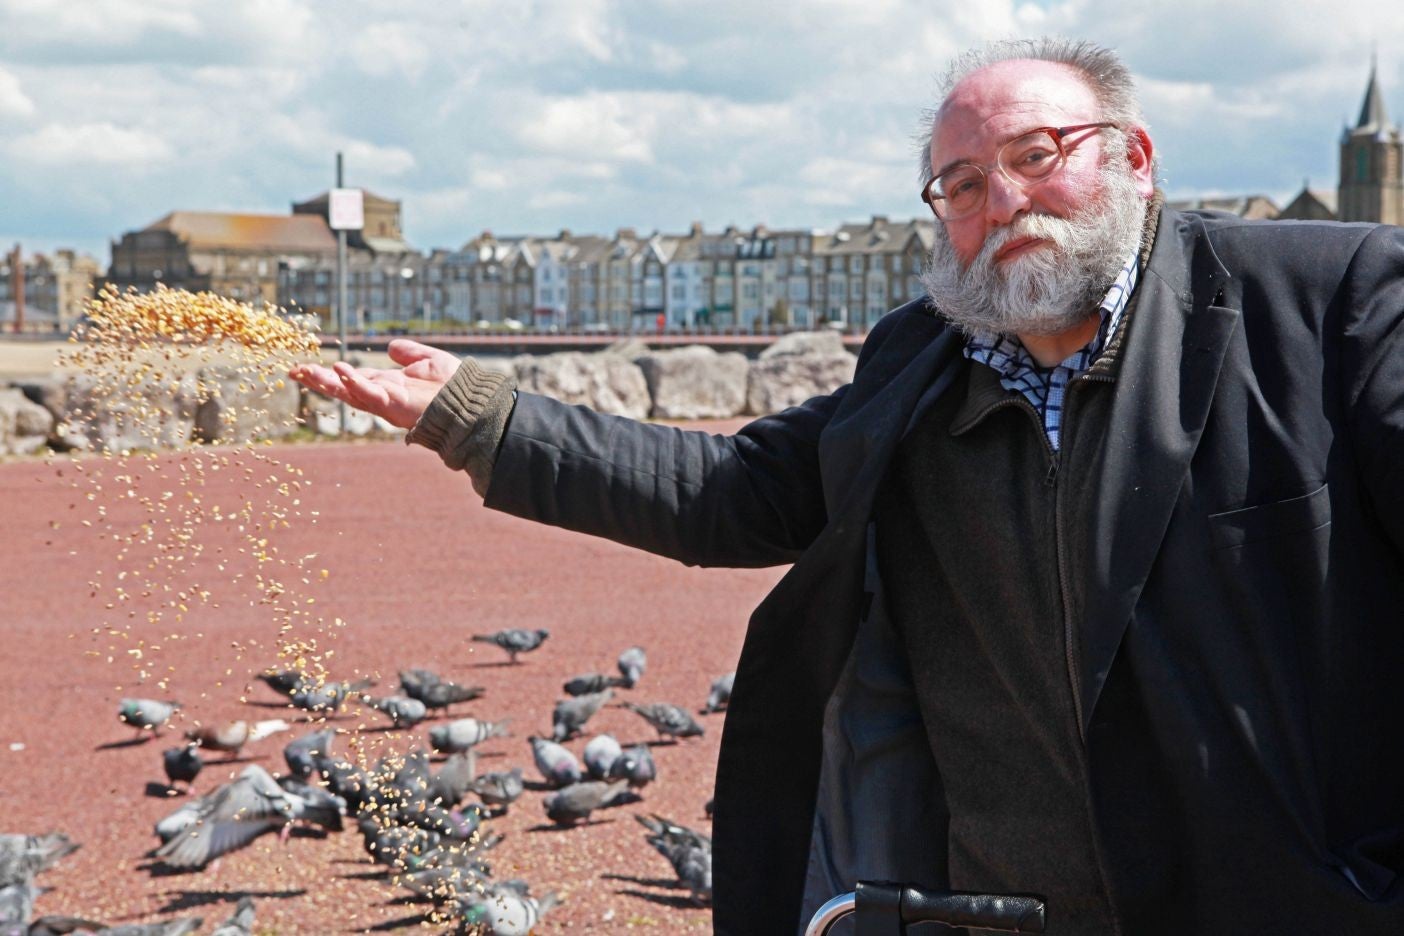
<point x="397" y="395"/>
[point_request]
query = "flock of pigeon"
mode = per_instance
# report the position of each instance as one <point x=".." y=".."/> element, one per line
<point x="429" y="826"/>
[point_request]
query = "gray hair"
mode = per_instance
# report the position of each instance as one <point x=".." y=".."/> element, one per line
<point x="1107" y="76"/>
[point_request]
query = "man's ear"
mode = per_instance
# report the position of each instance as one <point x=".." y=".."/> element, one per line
<point x="1140" y="153"/>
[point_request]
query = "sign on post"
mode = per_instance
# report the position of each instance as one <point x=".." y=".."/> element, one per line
<point x="346" y="210"/>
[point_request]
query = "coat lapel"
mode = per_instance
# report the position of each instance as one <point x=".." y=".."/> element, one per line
<point x="1165" y="384"/>
<point x="856" y="447"/>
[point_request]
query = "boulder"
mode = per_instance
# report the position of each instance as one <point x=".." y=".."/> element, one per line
<point x="52" y="394"/>
<point x="24" y="425"/>
<point x="236" y="408"/>
<point x="607" y="383"/>
<point x="150" y="414"/>
<point x="781" y="381"/>
<point x="828" y="342"/>
<point x="628" y="348"/>
<point x="695" y="382"/>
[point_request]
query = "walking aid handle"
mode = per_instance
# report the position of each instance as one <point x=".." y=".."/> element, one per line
<point x="1000" y="913"/>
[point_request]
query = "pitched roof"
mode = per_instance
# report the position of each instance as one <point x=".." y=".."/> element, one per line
<point x="1248" y="207"/>
<point x="1373" y="118"/>
<point x="213" y="230"/>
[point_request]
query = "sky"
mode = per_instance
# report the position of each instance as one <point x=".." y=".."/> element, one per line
<point x="529" y="116"/>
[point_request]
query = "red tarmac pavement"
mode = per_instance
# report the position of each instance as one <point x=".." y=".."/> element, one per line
<point x="415" y="564"/>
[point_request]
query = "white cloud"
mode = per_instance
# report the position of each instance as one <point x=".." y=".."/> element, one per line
<point x="384" y="49"/>
<point x="13" y="101"/>
<point x="379" y="160"/>
<point x="90" y="144"/>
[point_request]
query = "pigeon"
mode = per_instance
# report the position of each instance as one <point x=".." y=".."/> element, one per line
<point x="515" y="641"/>
<point x="329" y="697"/>
<point x="24" y="856"/>
<point x="404" y="712"/>
<point x="499" y="789"/>
<point x="286" y="682"/>
<point x="436" y="693"/>
<point x="720" y="696"/>
<point x="232" y="736"/>
<point x="505" y="910"/>
<point x="171" y="825"/>
<point x="463" y="734"/>
<point x="710" y="806"/>
<point x="182" y="764"/>
<point x="319" y="805"/>
<point x="17" y="903"/>
<point x="454" y="825"/>
<point x="144" y="714"/>
<point x="301" y="753"/>
<point x="570" y="715"/>
<point x="635" y="765"/>
<point x="574" y="803"/>
<point x="689" y="852"/>
<point x="346" y="780"/>
<point x="600" y="754"/>
<point x="666" y="719"/>
<point x="586" y="683"/>
<point x="446" y="884"/>
<point x="240" y="922"/>
<point x="232" y="817"/>
<point x="557" y="765"/>
<point x="454" y="779"/>
<point x="631" y="665"/>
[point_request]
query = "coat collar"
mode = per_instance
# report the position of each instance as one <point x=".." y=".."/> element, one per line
<point x="1172" y="357"/>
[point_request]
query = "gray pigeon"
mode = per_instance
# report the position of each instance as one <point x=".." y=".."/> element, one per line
<point x="318" y="804"/>
<point x="499" y="789"/>
<point x="230" y="818"/>
<point x="286" y="682"/>
<point x="328" y="697"/>
<point x="515" y="640"/>
<point x="689" y="852"/>
<point x="180" y="927"/>
<point x="506" y="910"/>
<point x="302" y="753"/>
<point x="464" y="733"/>
<point x="600" y="754"/>
<point x="557" y="765"/>
<point x="570" y="715"/>
<point x="24" y="856"/>
<point x="635" y="765"/>
<point x="182" y="764"/>
<point x="454" y="779"/>
<point x="404" y="712"/>
<point x="666" y="719"/>
<point x="146" y="714"/>
<point x="586" y="683"/>
<point x="632" y="663"/>
<point x="574" y="803"/>
<point x="171" y="825"/>
<point x="720" y="696"/>
<point x="434" y="691"/>
<point x="17" y="903"/>
<point x="240" y="922"/>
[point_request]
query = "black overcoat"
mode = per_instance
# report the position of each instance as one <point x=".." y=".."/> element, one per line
<point x="1241" y="667"/>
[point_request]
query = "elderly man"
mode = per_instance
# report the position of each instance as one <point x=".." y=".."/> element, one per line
<point x="1097" y="579"/>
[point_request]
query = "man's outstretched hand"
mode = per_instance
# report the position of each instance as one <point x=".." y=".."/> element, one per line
<point x="398" y="396"/>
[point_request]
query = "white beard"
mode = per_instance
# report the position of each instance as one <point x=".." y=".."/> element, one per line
<point x="1053" y="288"/>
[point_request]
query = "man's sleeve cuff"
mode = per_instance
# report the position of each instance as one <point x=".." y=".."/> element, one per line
<point x="465" y="421"/>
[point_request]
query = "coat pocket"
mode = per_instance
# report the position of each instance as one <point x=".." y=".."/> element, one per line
<point x="1302" y="514"/>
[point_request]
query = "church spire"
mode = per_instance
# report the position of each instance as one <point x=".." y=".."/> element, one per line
<point x="1373" y="118"/>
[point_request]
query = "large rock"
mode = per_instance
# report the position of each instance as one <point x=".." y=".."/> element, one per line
<point x="628" y="348"/>
<point x="777" y="383"/>
<point x="236" y="408"/>
<point x="695" y="382"/>
<point x="607" y="383"/>
<point x="24" y="425"/>
<point x="143" y="414"/>
<point x="52" y="394"/>
<point x="824" y="343"/>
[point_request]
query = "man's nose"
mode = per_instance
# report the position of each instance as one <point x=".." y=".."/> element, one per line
<point x="1004" y="201"/>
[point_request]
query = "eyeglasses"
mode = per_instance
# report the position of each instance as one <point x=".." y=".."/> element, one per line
<point x="1026" y="161"/>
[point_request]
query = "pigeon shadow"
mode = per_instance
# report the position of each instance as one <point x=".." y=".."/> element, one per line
<point x="418" y="919"/>
<point x="364" y="875"/>
<point x="190" y="899"/>
<point x="493" y="664"/>
<point x="163" y="791"/>
<point x="553" y="827"/>
<point x="539" y="786"/>
<point x="246" y="759"/>
<point x="130" y="742"/>
<point x="262" y="703"/>
<point x="663" y="900"/>
<point x="670" y="883"/>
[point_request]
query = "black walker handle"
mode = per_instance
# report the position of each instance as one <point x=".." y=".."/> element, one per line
<point x="886" y="909"/>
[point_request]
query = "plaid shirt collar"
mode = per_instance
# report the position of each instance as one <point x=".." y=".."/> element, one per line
<point x="1044" y="387"/>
